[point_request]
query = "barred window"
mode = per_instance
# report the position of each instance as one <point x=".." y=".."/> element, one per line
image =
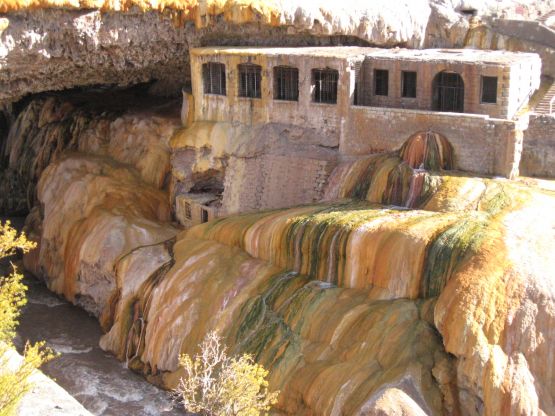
<point x="286" y="83"/>
<point x="358" y="93"/>
<point x="250" y="77"/>
<point x="188" y="213"/>
<point x="408" y="84"/>
<point x="489" y="90"/>
<point x="381" y="82"/>
<point x="213" y="75"/>
<point x="324" y="85"/>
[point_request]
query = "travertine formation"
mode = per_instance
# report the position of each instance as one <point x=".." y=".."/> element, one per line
<point x="383" y="283"/>
<point x="47" y="127"/>
<point x="407" y="289"/>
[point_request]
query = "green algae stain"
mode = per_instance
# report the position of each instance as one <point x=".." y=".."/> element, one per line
<point x="448" y="249"/>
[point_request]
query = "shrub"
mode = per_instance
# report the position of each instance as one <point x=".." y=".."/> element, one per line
<point x="14" y="374"/>
<point x="218" y="385"/>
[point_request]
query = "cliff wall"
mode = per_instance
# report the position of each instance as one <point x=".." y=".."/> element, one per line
<point x="63" y="44"/>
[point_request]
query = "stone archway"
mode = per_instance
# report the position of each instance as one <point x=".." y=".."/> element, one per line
<point x="448" y="92"/>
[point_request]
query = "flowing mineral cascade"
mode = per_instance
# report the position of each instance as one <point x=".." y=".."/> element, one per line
<point x="354" y="304"/>
<point x="376" y="257"/>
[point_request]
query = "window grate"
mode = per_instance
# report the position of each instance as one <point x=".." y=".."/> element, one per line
<point x="448" y="92"/>
<point x="250" y="77"/>
<point x="489" y="90"/>
<point x="381" y="82"/>
<point x="408" y="87"/>
<point x="188" y="213"/>
<point x="213" y="75"/>
<point x="324" y="85"/>
<point x="286" y="83"/>
<point x="359" y="82"/>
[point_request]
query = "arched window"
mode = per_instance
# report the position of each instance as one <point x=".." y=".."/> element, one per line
<point x="448" y="92"/>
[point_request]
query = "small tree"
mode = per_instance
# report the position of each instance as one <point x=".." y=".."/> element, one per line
<point x="218" y="385"/>
<point x="14" y="381"/>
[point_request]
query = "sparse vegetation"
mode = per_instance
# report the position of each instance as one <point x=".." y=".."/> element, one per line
<point x="14" y="374"/>
<point x="218" y="385"/>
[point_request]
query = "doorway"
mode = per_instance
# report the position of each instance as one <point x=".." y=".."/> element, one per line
<point x="448" y="92"/>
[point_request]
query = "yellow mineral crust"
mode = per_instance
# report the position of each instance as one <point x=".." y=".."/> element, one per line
<point x="495" y="314"/>
<point x="199" y="11"/>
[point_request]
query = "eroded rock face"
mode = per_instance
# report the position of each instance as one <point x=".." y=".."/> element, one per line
<point x="48" y="127"/>
<point x="53" y="49"/>
<point x="95" y="211"/>
<point x="47" y="50"/>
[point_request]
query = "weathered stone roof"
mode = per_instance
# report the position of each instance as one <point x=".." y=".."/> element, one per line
<point x="343" y="52"/>
<point x="322" y="51"/>
<point x="461" y="55"/>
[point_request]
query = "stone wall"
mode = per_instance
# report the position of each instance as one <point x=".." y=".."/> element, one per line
<point x="273" y="181"/>
<point x="265" y="166"/>
<point x="481" y="144"/>
<point x="538" y="153"/>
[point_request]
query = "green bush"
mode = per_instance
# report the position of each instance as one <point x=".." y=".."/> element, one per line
<point x="14" y="376"/>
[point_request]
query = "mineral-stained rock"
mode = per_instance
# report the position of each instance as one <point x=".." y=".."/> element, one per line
<point x="353" y="306"/>
<point x="47" y="127"/>
<point x="95" y="211"/>
<point x="132" y="273"/>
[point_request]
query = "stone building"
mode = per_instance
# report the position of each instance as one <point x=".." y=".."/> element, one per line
<point x="365" y="100"/>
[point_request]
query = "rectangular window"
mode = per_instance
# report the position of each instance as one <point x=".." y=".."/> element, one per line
<point x="286" y="83"/>
<point x="188" y="214"/>
<point x="408" y="84"/>
<point x="357" y="94"/>
<point x="489" y="90"/>
<point x="381" y="82"/>
<point x="324" y="85"/>
<point x="250" y="77"/>
<point x="203" y="215"/>
<point x="213" y="76"/>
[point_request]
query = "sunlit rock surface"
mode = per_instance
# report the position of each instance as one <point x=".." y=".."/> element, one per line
<point x="423" y="292"/>
<point x="59" y="44"/>
<point x="95" y="211"/>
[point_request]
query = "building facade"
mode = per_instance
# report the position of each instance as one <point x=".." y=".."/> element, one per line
<point x="368" y="100"/>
